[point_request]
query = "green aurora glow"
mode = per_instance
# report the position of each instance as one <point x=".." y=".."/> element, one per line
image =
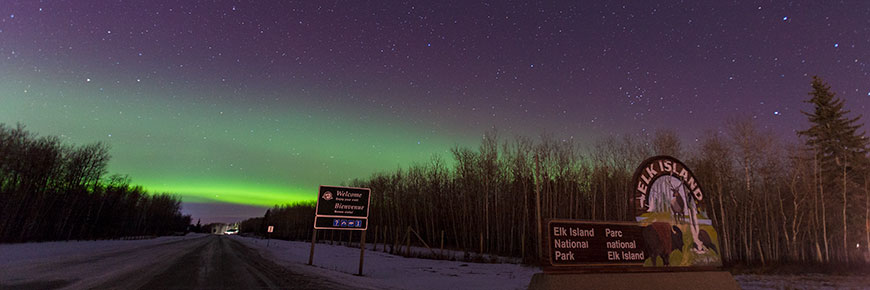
<point x="256" y="153"/>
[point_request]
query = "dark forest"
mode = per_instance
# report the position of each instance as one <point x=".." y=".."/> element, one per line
<point x="804" y="200"/>
<point x="53" y="191"/>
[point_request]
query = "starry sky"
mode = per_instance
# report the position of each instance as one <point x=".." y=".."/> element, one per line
<point x="240" y="105"/>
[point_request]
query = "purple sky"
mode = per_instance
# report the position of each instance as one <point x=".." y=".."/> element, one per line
<point x="416" y="77"/>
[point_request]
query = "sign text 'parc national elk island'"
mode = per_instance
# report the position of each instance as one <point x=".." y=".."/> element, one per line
<point x="671" y="227"/>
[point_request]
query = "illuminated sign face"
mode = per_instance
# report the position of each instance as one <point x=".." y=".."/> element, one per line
<point x="669" y="200"/>
<point x="342" y="208"/>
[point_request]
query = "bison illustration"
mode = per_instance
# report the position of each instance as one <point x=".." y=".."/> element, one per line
<point x="661" y="239"/>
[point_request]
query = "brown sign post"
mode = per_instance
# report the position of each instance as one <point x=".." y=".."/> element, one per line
<point x="342" y="208"/>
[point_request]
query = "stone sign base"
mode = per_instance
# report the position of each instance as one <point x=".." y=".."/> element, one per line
<point x="707" y="280"/>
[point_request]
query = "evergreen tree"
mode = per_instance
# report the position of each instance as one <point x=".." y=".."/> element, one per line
<point x="840" y="151"/>
<point x="833" y="135"/>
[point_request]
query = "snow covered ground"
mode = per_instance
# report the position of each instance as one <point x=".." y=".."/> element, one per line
<point x="86" y="264"/>
<point x="340" y="263"/>
<point x="385" y="271"/>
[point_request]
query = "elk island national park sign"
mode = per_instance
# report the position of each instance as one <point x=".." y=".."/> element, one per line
<point x="672" y="228"/>
<point x="671" y="242"/>
<point x="669" y="199"/>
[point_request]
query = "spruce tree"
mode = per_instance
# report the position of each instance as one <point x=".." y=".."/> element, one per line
<point x="841" y="152"/>
<point x="833" y="135"/>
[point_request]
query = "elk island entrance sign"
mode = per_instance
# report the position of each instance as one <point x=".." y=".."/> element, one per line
<point x="671" y="241"/>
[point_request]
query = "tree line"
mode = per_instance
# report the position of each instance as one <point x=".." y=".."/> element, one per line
<point x="53" y="191"/>
<point x="794" y="200"/>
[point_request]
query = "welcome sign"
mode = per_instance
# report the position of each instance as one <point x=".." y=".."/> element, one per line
<point x="668" y="202"/>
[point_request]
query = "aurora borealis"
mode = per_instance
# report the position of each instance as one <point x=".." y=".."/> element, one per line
<point x="259" y="102"/>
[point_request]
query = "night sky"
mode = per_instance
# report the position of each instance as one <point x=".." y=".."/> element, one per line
<point x="257" y="103"/>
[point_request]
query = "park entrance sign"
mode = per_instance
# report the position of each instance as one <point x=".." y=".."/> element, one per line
<point x="671" y="227"/>
<point x="669" y="200"/>
<point x="671" y="243"/>
<point x="342" y="208"/>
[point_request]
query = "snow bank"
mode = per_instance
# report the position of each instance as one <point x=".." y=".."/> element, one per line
<point x="385" y="271"/>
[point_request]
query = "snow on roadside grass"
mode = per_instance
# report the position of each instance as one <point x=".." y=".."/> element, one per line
<point x="381" y="270"/>
<point x="385" y="271"/>
<point x="15" y="253"/>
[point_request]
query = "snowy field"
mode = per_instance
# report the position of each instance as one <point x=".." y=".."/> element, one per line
<point x="385" y="271"/>
<point x="381" y="270"/>
<point x="86" y="264"/>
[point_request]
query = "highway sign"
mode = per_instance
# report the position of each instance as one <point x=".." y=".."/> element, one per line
<point x="342" y="208"/>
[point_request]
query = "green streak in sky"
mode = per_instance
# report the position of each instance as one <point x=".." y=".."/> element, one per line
<point x="208" y="146"/>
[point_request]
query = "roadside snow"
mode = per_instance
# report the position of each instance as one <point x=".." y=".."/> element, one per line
<point x="87" y="264"/>
<point x="385" y="271"/>
<point x="69" y="262"/>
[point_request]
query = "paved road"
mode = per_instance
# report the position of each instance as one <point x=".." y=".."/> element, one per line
<point x="210" y="262"/>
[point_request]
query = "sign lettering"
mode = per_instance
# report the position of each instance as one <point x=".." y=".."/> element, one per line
<point x="342" y="208"/>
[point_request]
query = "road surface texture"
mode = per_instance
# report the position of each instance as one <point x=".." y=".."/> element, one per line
<point x="208" y="262"/>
